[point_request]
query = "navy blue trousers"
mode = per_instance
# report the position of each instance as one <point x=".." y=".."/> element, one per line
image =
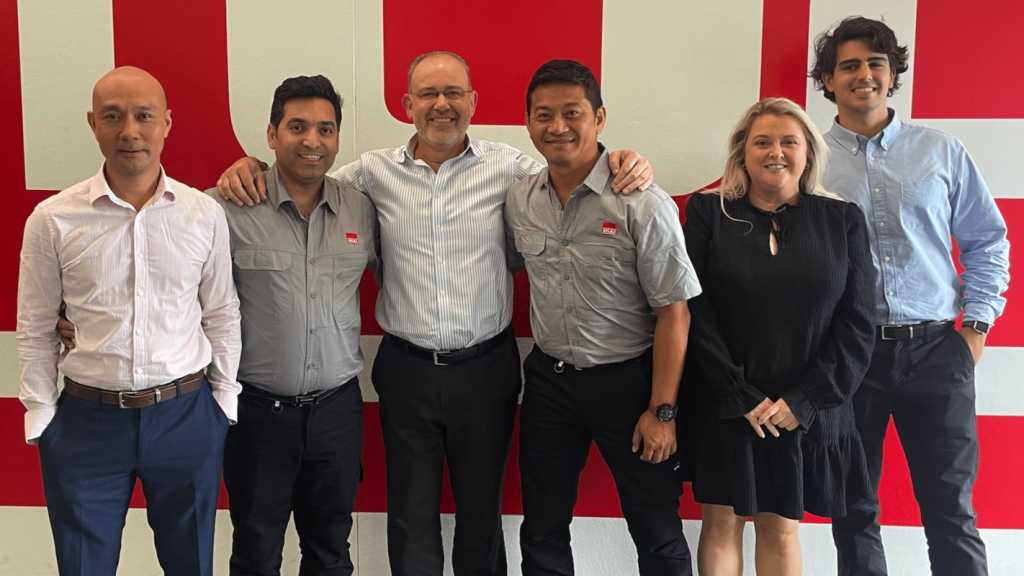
<point x="91" y="455"/>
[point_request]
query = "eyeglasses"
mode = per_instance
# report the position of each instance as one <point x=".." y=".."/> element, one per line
<point x="450" y="94"/>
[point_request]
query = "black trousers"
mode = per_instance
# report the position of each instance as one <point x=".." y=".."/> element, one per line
<point x="562" y="413"/>
<point x="460" y="413"/>
<point x="927" y="385"/>
<point x="282" y="459"/>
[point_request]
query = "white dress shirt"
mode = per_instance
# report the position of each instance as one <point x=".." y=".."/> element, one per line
<point x="150" y="293"/>
<point x="445" y="280"/>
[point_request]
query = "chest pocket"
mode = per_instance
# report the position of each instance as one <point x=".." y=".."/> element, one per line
<point x="530" y="244"/>
<point x="264" y="282"/>
<point x="925" y="190"/>
<point x="613" y="254"/>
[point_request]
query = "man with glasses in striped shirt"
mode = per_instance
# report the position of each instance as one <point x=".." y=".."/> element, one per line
<point x="447" y="370"/>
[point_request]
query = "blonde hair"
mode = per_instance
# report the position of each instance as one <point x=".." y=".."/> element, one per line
<point x="736" y="181"/>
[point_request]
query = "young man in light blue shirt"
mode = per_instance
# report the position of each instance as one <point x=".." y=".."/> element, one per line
<point x="919" y="190"/>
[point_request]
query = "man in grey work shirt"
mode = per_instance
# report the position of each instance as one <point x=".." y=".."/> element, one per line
<point x="447" y="370"/>
<point x="298" y="260"/>
<point x="609" y="280"/>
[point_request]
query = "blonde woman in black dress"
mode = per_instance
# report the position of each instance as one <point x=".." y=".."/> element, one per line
<point x="780" y="340"/>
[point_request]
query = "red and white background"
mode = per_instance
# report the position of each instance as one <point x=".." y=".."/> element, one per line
<point x="676" y="76"/>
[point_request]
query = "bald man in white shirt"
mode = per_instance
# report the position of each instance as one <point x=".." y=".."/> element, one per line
<point x="142" y="264"/>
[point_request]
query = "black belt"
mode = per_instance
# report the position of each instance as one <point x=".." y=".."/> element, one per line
<point x="300" y="401"/>
<point x="452" y="357"/>
<point x="911" y="331"/>
<point x="136" y="398"/>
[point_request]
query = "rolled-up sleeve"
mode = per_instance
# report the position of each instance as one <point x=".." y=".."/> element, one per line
<point x="663" y="265"/>
<point x="980" y="231"/>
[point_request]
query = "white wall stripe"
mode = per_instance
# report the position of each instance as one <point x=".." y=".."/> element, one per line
<point x="602" y="546"/>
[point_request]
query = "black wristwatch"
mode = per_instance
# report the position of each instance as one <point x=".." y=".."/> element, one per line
<point x="665" y="412"/>
<point x="977" y="325"/>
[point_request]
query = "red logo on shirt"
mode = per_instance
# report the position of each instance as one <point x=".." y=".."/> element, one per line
<point x="352" y="237"/>
<point x="610" y="228"/>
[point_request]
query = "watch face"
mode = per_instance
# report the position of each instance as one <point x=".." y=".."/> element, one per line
<point x="977" y="326"/>
<point x="666" y="412"/>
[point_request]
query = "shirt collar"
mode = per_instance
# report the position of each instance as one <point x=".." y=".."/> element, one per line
<point x="278" y="194"/>
<point x="408" y="152"/>
<point x="600" y="174"/>
<point x="99" y="188"/>
<point x="598" y="179"/>
<point x="850" y="140"/>
<point x="890" y="132"/>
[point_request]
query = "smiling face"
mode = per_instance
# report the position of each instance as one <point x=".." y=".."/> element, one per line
<point x="305" y="141"/>
<point x="563" y="125"/>
<point x="861" y="80"/>
<point x="440" y="102"/>
<point x="130" y="121"/>
<point x="775" y="155"/>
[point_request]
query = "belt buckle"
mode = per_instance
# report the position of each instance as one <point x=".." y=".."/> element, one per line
<point x="884" y="337"/>
<point x="121" y="395"/>
<point x="436" y="361"/>
<point x="304" y="400"/>
<point x="911" y="328"/>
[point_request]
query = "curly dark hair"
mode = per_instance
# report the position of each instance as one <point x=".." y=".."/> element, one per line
<point x="875" y="32"/>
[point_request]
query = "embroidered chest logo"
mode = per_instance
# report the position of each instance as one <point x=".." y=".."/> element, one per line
<point x="352" y="237"/>
<point x="609" y="228"/>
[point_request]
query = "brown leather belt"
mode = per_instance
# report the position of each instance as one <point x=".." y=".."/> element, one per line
<point x="136" y="399"/>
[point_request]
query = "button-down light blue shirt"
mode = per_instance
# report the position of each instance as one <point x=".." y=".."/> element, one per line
<point x="919" y="188"/>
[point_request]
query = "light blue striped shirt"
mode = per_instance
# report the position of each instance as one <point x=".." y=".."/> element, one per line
<point x="918" y="187"/>
<point x="445" y="284"/>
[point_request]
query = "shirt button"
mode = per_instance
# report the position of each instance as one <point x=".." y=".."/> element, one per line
<point x="881" y="224"/>
<point x="887" y="258"/>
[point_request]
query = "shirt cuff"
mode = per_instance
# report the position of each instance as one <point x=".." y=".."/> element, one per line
<point x="741" y="402"/>
<point x="801" y="407"/>
<point x="980" y="312"/>
<point x="36" y="421"/>
<point x="228" y="402"/>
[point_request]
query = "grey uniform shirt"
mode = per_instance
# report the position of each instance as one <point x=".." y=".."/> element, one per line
<point x="599" y="265"/>
<point x="298" y="287"/>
